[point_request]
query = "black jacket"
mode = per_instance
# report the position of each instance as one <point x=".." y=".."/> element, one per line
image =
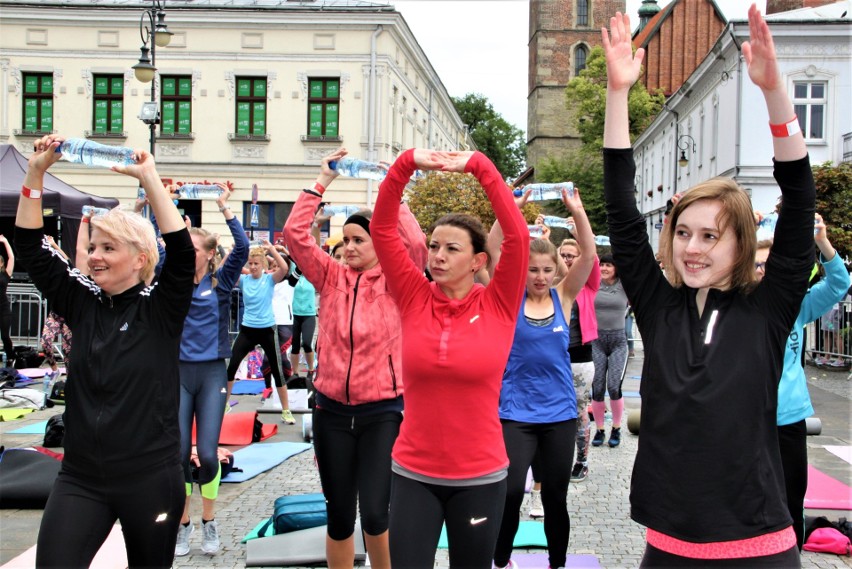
<point x="708" y="467"/>
<point x="123" y="394"/>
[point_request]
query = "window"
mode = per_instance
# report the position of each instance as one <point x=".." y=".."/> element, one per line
<point x="582" y="12"/>
<point x="38" y="102"/>
<point x="579" y="59"/>
<point x="176" y="102"/>
<point x="109" y="104"/>
<point x="271" y="217"/>
<point x="324" y="107"/>
<point x="809" y="102"/>
<point x="251" y="106"/>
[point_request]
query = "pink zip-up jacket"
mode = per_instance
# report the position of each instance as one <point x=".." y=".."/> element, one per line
<point x="359" y="341"/>
<point x="586" y="304"/>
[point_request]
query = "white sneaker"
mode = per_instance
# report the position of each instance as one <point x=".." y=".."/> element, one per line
<point x="209" y="537"/>
<point x="536" y="509"/>
<point x="182" y="545"/>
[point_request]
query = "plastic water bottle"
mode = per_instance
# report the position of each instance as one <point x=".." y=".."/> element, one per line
<point x="542" y="192"/>
<point x="92" y="210"/>
<point x="536" y="231"/>
<point x="553" y="221"/>
<point x="355" y="168"/>
<point x="344" y="210"/>
<point x="602" y="240"/>
<point x="253" y="244"/>
<point x="199" y="192"/>
<point x="47" y="377"/>
<point x="90" y="153"/>
<point x="766" y="226"/>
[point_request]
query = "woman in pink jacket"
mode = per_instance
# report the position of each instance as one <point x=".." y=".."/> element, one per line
<point x="359" y="385"/>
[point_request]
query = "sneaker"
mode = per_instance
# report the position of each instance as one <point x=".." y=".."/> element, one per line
<point x="287" y="417"/>
<point x="837" y="362"/>
<point x="209" y="537"/>
<point x="600" y="435"/>
<point x="182" y="545"/>
<point x="615" y="437"/>
<point x="580" y="472"/>
<point x="510" y="565"/>
<point x="536" y="509"/>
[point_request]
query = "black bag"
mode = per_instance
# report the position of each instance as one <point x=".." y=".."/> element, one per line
<point x="54" y="432"/>
<point x="8" y="377"/>
<point x="57" y="392"/>
<point x="27" y="357"/>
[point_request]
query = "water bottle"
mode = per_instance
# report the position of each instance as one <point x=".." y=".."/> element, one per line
<point x="536" y="231"/>
<point x="92" y="210"/>
<point x="766" y="226"/>
<point x="199" y="192"/>
<point x="542" y="192"/>
<point x="553" y="221"/>
<point x="602" y="240"/>
<point x="344" y="210"/>
<point x="47" y="377"/>
<point x="90" y="153"/>
<point x="3" y="359"/>
<point x="254" y="243"/>
<point x="355" y="168"/>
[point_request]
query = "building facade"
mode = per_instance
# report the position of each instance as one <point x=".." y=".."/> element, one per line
<point x="251" y="92"/>
<point x="716" y="124"/>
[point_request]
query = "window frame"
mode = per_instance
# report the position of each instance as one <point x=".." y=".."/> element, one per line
<point x="582" y="13"/>
<point x="110" y="97"/>
<point x="809" y="103"/>
<point x="40" y="97"/>
<point x="177" y="98"/>
<point x="581" y="48"/>
<point x="324" y="101"/>
<point x="252" y="99"/>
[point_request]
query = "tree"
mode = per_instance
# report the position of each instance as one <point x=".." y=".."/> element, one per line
<point x="834" y="203"/>
<point x="440" y="193"/>
<point x="502" y="142"/>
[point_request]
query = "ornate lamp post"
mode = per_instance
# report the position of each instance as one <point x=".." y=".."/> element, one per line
<point x="153" y="30"/>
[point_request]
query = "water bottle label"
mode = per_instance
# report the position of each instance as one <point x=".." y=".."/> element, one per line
<point x="536" y="230"/>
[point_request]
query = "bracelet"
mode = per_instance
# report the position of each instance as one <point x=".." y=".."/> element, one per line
<point x="84" y="220"/>
<point x="319" y="188"/>
<point x="224" y="207"/>
<point x="31" y="193"/>
<point x="787" y="129"/>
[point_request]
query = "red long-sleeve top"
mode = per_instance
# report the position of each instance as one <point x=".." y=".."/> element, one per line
<point x="454" y="351"/>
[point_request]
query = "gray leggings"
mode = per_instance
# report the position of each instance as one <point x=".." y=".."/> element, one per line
<point x="609" y="353"/>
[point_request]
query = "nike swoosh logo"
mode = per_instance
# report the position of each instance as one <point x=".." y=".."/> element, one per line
<point x="477" y="521"/>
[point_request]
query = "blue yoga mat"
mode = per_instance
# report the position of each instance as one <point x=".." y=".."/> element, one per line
<point x="260" y="457"/>
<point x="34" y="429"/>
<point x="248" y="387"/>
<point x="530" y="534"/>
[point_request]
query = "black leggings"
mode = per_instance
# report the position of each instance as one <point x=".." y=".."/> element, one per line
<point x="303" y="333"/>
<point x="81" y="511"/>
<point x="553" y="445"/>
<point x="658" y="558"/>
<point x="246" y="340"/>
<point x="792" y="439"/>
<point x="354" y="461"/>
<point x="472" y="515"/>
<point x="6" y="335"/>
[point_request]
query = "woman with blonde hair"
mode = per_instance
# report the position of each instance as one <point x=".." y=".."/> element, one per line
<point x="122" y="438"/>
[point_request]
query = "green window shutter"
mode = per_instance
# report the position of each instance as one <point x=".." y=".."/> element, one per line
<point x="243" y="117"/>
<point x="169" y="86"/>
<point x="46" y="115"/>
<point x="260" y="88"/>
<point x="30" y="84"/>
<point x="259" y="126"/>
<point x="315" y="120"/>
<point x="47" y="84"/>
<point x="185" y="87"/>
<point x="117" y="116"/>
<point x="184" y="116"/>
<point x="243" y="88"/>
<point x="168" y="117"/>
<point x="117" y="86"/>
<point x="31" y="114"/>
<point x="316" y="90"/>
<point x="100" y="116"/>
<point x="101" y="86"/>
<point x="332" y="89"/>
<point x="331" y="119"/>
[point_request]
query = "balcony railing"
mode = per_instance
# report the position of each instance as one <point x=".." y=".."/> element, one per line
<point x="847" y="147"/>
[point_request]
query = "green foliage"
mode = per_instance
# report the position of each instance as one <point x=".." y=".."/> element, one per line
<point x="834" y="203"/>
<point x="440" y="193"/>
<point x="502" y="142"/>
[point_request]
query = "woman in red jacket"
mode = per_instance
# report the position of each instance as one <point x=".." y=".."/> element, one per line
<point x="449" y="461"/>
<point x="359" y="386"/>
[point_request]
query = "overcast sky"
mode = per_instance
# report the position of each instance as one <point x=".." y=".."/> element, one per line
<point x="480" y="46"/>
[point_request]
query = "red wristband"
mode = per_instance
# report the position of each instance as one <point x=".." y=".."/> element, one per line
<point x="31" y="193"/>
<point x="84" y="220"/>
<point x="319" y="188"/>
<point x="787" y="129"/>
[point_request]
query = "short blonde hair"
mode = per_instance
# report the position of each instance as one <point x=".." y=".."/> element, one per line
<point x="259" y="252"/>
<point x="134" y="231"/>
<point x="736" y="213"/>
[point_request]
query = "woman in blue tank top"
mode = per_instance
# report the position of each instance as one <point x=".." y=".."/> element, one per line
<point x="538" y="406"/>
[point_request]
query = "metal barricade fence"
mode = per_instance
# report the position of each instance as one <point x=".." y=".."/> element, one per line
<point x="28" y="312"/>
<point x="829" y="338"/>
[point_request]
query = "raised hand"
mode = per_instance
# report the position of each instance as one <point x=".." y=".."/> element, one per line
<point x="572" y="201"/>
<point x="426" y="159"/>
<point x="456" y="161"/>
<point x="44" y="153"/>
<point x="622" y="65"/>
<point x="521" y="200"/>
<point x="333" y="157"/>
<point x="144" y="167"/>
<point x="759" y="53"/>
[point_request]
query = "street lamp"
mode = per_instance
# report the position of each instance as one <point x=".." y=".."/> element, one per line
<point x="683" y="143"/>
<point x="156" y="34"/>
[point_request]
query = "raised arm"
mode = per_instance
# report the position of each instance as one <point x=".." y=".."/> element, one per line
<point x="29" y="205"/>
<point x="165" y="211"/>
<point x="81" y="255"/>
<point x="282" y="266"/>
<point x="574" y="281"/>
<point x="495" y="236"/>
<point x="622" y="71"/>
<point x="10" y="255"/>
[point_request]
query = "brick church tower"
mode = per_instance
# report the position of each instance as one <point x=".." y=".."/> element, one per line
<point x="562" y="33"/>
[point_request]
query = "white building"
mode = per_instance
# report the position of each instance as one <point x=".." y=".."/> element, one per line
<point x="250" y="91"/>
<point x="718" y="120"/>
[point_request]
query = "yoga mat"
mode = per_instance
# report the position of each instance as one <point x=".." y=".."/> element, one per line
<point x="630" y="394"/>
<point x="37" y="372"/>
<point x="540" y="561"/>
<point x="112" y="554"/>
<point x="12" y="414"/>
<point x="260" y="457"/>
<point x="826" y="493"/>
<point x="843" y="452"/>
<point x="298" y="548"/>
<point x="530" y="534"/>
<point x="265" y="526"/>
<point x="248" y="387"/>
<point x="238" y="429"/>
<point x="26" y="478"/>
<point x="34" y="429"/>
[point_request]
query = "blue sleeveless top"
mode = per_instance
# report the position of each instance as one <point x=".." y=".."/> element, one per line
<point x="538" y="386"/>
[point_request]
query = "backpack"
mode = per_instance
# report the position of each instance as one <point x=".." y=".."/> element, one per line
<point x="303" y="511"/>
<point x="54" y="432"/>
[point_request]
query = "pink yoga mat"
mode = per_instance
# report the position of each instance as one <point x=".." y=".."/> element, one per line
<point x="112" y="554"/>
<point x="826" y="493"/>
<point x="539" y="561"/>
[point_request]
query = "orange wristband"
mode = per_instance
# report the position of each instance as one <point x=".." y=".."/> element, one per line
<point x="319" y="188"/>
<point x="789" y="128"/>
<point x="31" y="193"/>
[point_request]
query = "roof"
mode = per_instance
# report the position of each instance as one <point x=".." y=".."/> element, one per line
<point x="647" y="33"/>
<point x="836" y="11"/>
<point x="295" y="5"/>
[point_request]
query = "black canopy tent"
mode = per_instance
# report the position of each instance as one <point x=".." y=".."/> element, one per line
<point x="62" y="203"/>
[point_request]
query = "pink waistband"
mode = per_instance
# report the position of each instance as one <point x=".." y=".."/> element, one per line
<point x="767" y="544"/>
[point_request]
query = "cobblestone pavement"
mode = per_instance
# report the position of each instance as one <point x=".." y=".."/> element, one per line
<point x="599" y="506"/>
